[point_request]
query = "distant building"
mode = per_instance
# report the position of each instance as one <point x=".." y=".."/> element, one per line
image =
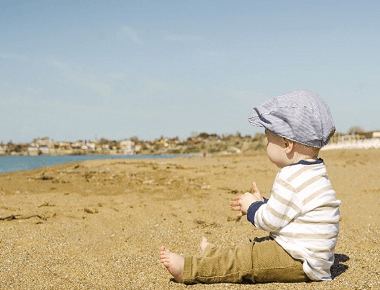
<point x="138" y="147"/>
<point x="33" y="149"/>
<point x="64" y="145"/>
<point x="44" y="149"/>
<point x="373" y="134"/>
<point x="78" y="144"/>
<point x="128" y="147"/>
<point x="45" y="141"/>
<point x="91" y="146"/>
<point x="39" y="147"/>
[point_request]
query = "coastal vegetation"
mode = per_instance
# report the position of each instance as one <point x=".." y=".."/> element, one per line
<point x="198" y="143"/>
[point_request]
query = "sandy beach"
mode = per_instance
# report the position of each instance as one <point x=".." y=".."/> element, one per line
<point x="100" y="224"/>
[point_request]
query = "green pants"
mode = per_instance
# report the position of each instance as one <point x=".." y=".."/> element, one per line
<point x="262" y="260"/>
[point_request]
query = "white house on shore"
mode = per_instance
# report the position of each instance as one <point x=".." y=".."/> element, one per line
<point x="33" y="149"/>
<point x="128" y="147"/>
<point x="373" y="134"/>
<point x="36" y="149"/>
<point x="2" y="150"/>
<point x="44" y="149"/>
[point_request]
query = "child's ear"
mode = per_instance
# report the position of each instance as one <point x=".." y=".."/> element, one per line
<point x="289" y="145"/>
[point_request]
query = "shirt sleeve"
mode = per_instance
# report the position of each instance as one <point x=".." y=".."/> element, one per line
<point x="253" y="209"/>
<point x="282" y="207"/>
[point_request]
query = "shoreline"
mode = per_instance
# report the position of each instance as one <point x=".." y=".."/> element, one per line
<point x="25" y="162"/>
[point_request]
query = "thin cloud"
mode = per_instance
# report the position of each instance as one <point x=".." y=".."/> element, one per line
<point x="129" y="31"/>
<point x="59" y="64"/>
<point x="14" y="56"/>
<point x="183" y="38"/>
<point x="118" y="76"/>
<point x="86" y="80"/>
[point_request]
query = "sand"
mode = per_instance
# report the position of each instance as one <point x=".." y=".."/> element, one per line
<point x="100" y="224"/>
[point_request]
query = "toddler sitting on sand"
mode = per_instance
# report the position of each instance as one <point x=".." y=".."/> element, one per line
<point x="301" y="215"/>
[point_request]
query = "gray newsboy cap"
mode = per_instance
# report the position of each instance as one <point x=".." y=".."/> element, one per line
<point x="301" y="116"/>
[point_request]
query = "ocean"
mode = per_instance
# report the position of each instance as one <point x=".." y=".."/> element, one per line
<point x="18" y="163"/>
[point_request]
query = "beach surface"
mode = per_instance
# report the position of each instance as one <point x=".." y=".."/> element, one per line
<point x="100" y="224"/>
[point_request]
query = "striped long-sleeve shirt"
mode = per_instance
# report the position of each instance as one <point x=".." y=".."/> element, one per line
<point x="302" y="215"/>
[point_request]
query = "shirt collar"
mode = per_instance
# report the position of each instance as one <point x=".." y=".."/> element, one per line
<point x="304" y="162"/>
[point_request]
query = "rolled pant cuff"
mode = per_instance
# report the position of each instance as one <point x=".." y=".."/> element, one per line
<point x="187" y="269"/>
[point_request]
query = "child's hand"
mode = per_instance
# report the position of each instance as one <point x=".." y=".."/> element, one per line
<point x="256" y="192"/>
<point x="241" y="203"/>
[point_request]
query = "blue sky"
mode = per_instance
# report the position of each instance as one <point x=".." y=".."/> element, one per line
<point x="83" y="69"/>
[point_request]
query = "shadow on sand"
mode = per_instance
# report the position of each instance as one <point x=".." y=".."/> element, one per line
<point x="339" y="268"/>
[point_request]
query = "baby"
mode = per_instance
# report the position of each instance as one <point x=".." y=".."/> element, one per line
<point x="301" y="214"/>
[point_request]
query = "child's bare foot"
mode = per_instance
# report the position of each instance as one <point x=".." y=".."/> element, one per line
<point x="204" y="243"/>
<point x="173" y="262"/>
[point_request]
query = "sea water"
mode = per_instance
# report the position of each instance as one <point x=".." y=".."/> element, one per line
<point x="18" y="163"/>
